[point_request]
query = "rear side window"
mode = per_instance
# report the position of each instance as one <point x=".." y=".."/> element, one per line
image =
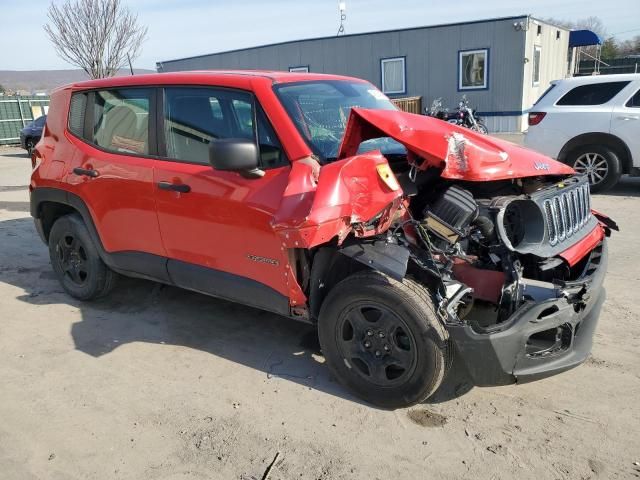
<point x="634" y="102"/>
<point x="77" y="113"/>
<point x="194" y="116"/>
<point x="592" y="94"/>
<point x="121" y="120"/>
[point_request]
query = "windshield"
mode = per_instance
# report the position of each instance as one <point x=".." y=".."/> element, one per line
<point x="320" y="110"/>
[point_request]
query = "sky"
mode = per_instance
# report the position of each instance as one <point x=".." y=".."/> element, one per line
<point x="183" y="28"/>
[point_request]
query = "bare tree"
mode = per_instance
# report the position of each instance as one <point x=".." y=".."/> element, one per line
<point x="95" y="35"/>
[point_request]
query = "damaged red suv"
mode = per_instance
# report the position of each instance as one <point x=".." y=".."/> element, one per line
<point x="406" y="240"/>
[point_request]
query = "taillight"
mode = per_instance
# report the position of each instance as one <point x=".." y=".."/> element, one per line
<point x="535" y="118"/>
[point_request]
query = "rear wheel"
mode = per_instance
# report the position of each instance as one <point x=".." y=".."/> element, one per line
<point x="382" y="339"/>
<point x="481" y="127"/>
<point x="75" y="260"/>
<point x="599" y="163"/>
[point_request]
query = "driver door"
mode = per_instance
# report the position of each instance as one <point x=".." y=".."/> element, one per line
<point x="216" y="226"/>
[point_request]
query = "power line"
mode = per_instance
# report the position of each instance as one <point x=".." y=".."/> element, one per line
<point x="626" y="31"/>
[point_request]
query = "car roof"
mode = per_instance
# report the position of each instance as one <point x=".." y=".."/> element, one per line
<point x="206" y="77"/>
<point x="583" y="80"/>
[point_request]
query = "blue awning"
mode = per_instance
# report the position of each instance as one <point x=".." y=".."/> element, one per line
<point x="583" y="38"/>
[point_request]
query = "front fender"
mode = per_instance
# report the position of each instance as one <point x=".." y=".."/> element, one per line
<point x="348" y="192"/>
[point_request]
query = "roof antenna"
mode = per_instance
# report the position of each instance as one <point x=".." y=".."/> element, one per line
<point x="130" y="66"/>
<point x="342" y="6"/>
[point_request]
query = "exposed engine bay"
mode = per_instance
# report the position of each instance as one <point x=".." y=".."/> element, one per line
<point x="490" y="246"/>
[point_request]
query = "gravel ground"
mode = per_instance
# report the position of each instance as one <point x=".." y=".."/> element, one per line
<point x="159" y="383"/>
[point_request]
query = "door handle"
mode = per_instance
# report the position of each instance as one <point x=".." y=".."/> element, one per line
<point x="86" y="172"/>
<point x="175" y="187"/>
<point x="628" y="117"/>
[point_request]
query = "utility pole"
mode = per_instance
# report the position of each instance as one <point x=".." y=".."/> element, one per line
<point x="342" y="6"/>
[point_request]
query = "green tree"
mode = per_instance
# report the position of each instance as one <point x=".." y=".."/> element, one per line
<point x="610" y="49"/>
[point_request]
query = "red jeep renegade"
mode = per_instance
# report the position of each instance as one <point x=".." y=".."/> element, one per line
<point x="403" y="238"/>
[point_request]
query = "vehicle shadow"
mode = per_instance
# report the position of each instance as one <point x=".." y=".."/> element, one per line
<point x="144" y="311"/>
<point x="18" y="154"/>
<point x="626" y="187"/>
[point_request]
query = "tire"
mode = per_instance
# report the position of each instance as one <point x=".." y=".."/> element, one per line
<point x="405" y="365"/>
<point x="76" y="262"/>
<point x="482" y="128"/>
<point x="29" y="145"/>
<point x="600" y="163"/>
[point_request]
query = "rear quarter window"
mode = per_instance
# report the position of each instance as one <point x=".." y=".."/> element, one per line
<point x="77" y="112"/>
<point x="634" y="102"/>
<point x="592" y="94"/>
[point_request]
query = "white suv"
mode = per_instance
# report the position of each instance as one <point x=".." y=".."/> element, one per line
<point x="591" y="123"/>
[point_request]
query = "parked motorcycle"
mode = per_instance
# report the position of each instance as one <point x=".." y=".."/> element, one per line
<point x="464" y="116"/>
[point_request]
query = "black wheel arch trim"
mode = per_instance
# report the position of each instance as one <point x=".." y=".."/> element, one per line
<point x="331" y="264"/>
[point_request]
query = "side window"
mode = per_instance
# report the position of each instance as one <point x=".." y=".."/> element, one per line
<point x="592" y="94"/>
<point x="634" y="102"/>
<point x="121" y="120"/>
<point x="537" y="50"/>
<point x="271" y="153"/>
<point x="76" y="113"/>
<point x="194" y="116"/>
<point x="244" y="116"/>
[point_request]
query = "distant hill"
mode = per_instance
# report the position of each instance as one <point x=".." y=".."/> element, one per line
<point x="33" y="81"/>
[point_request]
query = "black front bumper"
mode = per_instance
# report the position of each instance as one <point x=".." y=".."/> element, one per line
<point x="507" y="353"/>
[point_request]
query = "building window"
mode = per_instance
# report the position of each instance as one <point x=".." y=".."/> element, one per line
<point x="473" y="69"/>
<point x="536" y="65"/>
<point x="300" y="69"/>
<point x="393" y="74"/>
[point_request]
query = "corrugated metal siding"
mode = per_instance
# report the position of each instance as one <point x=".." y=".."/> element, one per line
<point x="431" y="61"/>
<point x="554" y="63"/>
<point x="16" y="112"/>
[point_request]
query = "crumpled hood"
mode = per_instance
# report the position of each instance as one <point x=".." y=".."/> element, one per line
<point x="462" y="153"/>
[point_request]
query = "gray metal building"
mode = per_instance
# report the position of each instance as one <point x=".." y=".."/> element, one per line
<point x="502" y="65"/>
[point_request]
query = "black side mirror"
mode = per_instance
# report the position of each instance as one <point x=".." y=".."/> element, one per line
<point x="234" y="154"/>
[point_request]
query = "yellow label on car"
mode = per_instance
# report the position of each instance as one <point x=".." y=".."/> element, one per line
<point x="387" y="176"/>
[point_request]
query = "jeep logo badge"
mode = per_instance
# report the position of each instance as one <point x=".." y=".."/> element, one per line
<point x="541" y="166"/>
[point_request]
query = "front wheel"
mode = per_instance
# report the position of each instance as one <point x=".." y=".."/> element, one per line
<point x="382" y="339"/>
<point x="599" y="163"/>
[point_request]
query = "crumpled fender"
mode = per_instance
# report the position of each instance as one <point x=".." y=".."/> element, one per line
<point x="461" y="153"/>
<point x="347" y="192"/>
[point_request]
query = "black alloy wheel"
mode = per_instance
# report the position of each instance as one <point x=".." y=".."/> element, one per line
<point x="72" y="258"/>
<point x="383" y="340"/>
<point x="378" y="344"/>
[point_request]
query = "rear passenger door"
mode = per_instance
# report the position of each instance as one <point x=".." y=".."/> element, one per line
<point x="625" y="122"/>
<point x="217" y="226"/>
<point x="114" y="172"/>
<point x="590" y="106"/>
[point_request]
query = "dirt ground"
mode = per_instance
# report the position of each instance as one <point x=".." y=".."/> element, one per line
<point x="159" y="383"/>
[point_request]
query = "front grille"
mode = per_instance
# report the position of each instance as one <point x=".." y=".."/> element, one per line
<point x="566" y="213"/>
